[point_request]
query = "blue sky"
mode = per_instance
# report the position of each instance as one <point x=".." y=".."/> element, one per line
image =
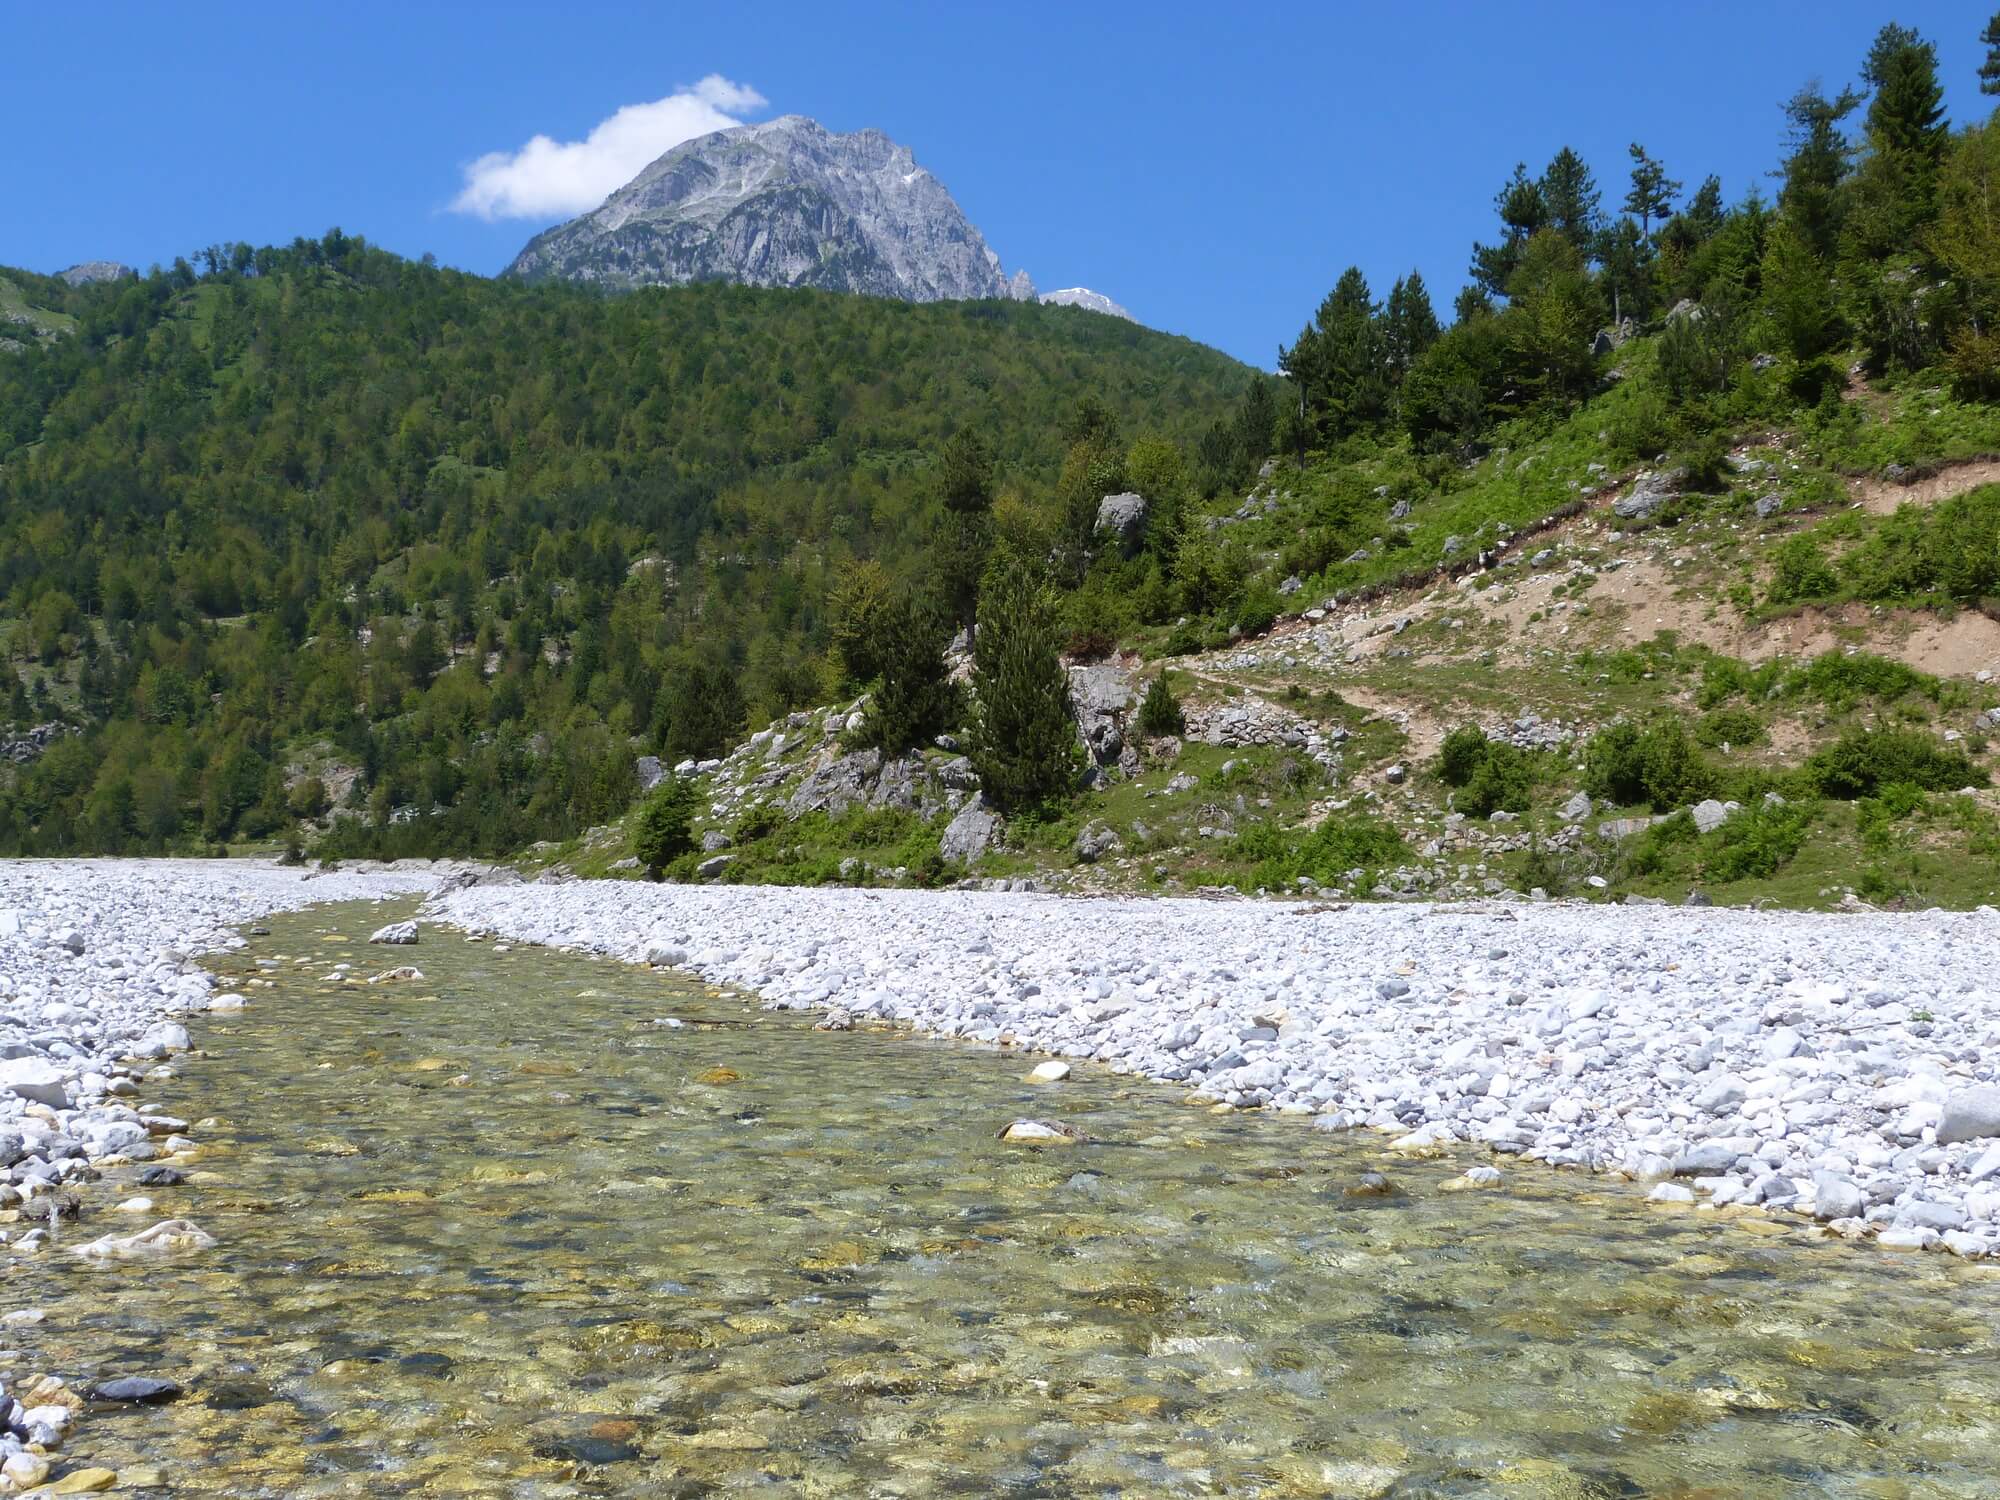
<point x="1213" y="173"/>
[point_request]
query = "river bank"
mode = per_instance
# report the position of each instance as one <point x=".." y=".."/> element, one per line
<point x="98" y="971"/>
<point x="1839" y="1068"/>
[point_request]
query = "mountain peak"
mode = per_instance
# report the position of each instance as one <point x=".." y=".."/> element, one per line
<point x="783" y="202"/>
<point x="1084" y="297"/>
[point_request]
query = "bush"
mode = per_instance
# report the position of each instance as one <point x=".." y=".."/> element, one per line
<point x="1840" y="680"/>
<point x="1624" y="764"/>
<point x="1160" y="711"/>
<point x="1490" y="775"/>
<point x="1864" y="761"/>
<point x="1325" y="854"/>
<point x="1757" y="842"/>
<point x="308" y="799"/>
<point x="1460" y="754"/>
<point x="665" y="828"/>
<point x="1729" y="726"/>
<point x="1800" y="573"/>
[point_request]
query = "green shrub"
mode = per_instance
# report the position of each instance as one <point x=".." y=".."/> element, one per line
<point x="1729" y="726"/>
<point x="1160" y="710"/>
<point x="1460" y="754"/>
<point x="1800" y="573"/>
<point x="1489" y="775"/>
<point x="1757" y="842"/>
<point x="1325" y="854"/>
<point x="1864" y="761"/>
<point x="1841" y="679"/>
<point x="665" y="827"/>
<point x="1660" y="765"/>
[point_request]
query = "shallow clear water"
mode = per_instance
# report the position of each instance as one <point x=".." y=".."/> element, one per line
<point x="498" y="1232"/>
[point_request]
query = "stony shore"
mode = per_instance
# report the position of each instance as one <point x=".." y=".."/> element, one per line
<point x="97" y="972"/>
<point x="1844" y="1069"/>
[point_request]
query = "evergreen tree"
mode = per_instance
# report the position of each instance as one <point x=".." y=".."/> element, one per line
<point x="1989" y="69"/>
<point x="1523" y="211"/>
<point x="1409" y="326"/>
<point x="1337" y="362"/>
<point x="665" y="827"/>
<point x="916" y="700"/>
<point x="1024" y="738"/>
<point x="1627" y="257"/>
<point x="1570" y="196"/>
<point x="965" y="473"/>
<point x="1816" y="165"/>
<point x="1798" y="293"/>
<point x="1907" y="113"/>
<point x="1653" y="192"/>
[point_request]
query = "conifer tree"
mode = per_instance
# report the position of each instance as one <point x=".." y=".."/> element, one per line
<point x="1571" y="196"/>
<point x="1816" y="165"/>
<point x="916" y="700"/>
<point x="664" y="830"/>
<point x="1523" y="211"/>
<point x="1409" y="325"/>
<point x="1024" y="738"/>
<point x="1989" y="70"/>
<point x="1653" y="192"/>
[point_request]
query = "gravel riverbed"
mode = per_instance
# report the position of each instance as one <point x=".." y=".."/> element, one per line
<point x="1843" y="1068"/>
<point x="97" y="974"/>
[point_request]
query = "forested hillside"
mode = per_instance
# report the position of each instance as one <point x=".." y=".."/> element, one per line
<point x="317" y="525"/>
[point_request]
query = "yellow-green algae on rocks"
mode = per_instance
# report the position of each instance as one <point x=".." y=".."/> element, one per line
<point x="536" y="1225"/>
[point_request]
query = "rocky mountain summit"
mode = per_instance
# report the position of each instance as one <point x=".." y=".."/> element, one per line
<point x="86" y="272"/>
<point x="785" y="203"/>
<point x="1084" y="297"/>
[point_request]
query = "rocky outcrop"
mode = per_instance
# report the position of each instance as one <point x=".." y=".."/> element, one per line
<point x="30" y="744"/>
<point x="86" y="272"/>
<point x="1100" y="695"/>
<point x="969" y="835"/>
<point x="1649" y="494"/>
<point x="784" y="203"/>
<point x="1124" y="517"/>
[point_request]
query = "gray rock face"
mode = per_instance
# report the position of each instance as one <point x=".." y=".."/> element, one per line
<point x="1095" y="841"/>
<point x="1100" y="694"/>
<point x="1709" y="815"/>
<point x="1123" y="516"/>
<point x="1084" y="297"/>
<point x="1649" y="494"/>
<point x="85" y="272"/>
<point x="1834" y="1197"/>
<point x="967" y="836"/>
<point x="784" y="203"/>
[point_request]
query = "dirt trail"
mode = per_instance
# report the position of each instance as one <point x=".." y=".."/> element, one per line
<point x="1881" y="497"/>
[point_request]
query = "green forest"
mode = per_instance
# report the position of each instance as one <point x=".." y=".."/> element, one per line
<point x="292" y="530"/>
<point x="482" y="544"/>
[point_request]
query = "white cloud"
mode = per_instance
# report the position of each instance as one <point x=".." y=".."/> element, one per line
<point x="548" y="178"/>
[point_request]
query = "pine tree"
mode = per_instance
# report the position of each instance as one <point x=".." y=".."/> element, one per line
<point x="1816" y="165"/>
<point x="1338" y="362"/>
<point x="916" y="700"/>
<point x="1798" y="293"/>
<point x="965" y="473"/>
<point x="1989" y="70"/>
<point x="1523" y="211"/>
<point x="1653" y="192"/>
<point x="1024" y="739"/>
<point x="1409" y="325"/>
<point x="1571" y="196"/>
<point x="1907" y="112"/>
